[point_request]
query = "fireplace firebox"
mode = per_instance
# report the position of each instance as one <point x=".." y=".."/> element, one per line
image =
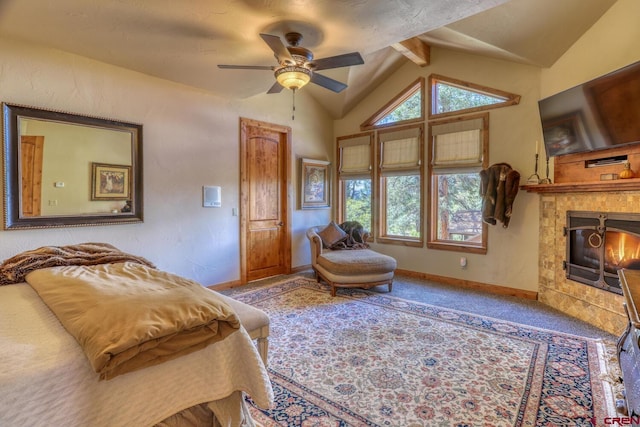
<point x="599" y="244"/>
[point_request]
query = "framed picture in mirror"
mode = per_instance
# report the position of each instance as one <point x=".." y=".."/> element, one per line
<point x="110" y="182"/>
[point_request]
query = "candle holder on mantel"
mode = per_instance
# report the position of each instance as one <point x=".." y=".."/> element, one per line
<point x="547" y="180"/>
<point x="534" y="178"/>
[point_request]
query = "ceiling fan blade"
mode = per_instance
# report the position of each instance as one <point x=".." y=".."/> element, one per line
<point x="276" y="45"/>
<point x="276" y="88"/>
<point x="247" y="67"/>
<point x="328" y="83"/>
<point x="338" y="61"/>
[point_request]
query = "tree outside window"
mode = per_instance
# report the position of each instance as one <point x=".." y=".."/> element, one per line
<point x="454" y="97"/>
<point x="451" y="98"/>
<point x="409" y="109"/>
<point x="402" y="206"/>
<point x="459" y="207"/>
<point x="357" y="201"/>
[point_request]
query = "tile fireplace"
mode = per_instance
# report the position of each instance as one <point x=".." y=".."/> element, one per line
<point x="600" y="305"/>
<point x="562" y="277"/>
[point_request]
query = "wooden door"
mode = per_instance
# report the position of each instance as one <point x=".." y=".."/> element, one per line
<point x="31" y="150"/>
<point x="265" y="204"/>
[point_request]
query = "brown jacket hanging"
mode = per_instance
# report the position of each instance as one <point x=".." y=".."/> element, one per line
<point x="499" y="186"/>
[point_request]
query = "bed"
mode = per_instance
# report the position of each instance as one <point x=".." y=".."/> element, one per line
<point x="47" y="378"/>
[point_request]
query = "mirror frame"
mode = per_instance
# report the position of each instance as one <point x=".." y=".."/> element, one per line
<point x="12" y="178"/>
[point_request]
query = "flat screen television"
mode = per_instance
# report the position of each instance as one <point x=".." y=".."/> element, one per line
<point x="596" y="115"/>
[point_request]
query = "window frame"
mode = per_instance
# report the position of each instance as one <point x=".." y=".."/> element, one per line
<point x="395" y="102"/>
<point x="340" y="178"/>
<point x="433" y="242"/>
<point x="509" y="98"/>
<point x="380" y="189"/>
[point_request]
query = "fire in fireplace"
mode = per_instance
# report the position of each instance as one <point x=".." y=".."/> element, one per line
<point x="599" y="244"/>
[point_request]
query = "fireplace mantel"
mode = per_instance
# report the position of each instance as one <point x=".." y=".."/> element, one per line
<point x="578" y="173"/>
<point x="581" y="187"/>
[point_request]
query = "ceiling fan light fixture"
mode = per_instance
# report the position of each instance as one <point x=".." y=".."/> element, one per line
<point x="293" y="77"/>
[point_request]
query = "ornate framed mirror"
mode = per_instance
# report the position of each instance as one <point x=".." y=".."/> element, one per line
<point x="64" y="170"/>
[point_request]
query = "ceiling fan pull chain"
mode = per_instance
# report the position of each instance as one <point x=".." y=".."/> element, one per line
<point x="293" y="110"/>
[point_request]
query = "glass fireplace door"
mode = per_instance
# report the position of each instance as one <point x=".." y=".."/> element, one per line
<point x="599" y="244"/>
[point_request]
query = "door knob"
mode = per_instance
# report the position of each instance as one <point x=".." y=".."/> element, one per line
<point x="280" y="224"/>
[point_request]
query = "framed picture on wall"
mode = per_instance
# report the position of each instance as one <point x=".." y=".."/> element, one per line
<point x="315" y="188"/>
<point x="110" y="182"/>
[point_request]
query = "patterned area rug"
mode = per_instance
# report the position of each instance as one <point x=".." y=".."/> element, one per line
<point x="368" y="359"/>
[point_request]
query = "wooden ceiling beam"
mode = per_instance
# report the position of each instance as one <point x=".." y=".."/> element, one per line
<point x="414" y="49"/>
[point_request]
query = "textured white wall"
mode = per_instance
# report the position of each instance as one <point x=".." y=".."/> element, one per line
<point x="191" y="139"/>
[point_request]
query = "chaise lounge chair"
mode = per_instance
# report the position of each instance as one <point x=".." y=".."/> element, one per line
<point x="349" y="268"/>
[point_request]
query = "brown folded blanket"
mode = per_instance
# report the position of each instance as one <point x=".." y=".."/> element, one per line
<point x="127" y="316"/>
<point x="14" y="269"/>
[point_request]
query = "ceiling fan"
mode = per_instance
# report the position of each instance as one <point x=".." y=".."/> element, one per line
<point x="296" y="66"/>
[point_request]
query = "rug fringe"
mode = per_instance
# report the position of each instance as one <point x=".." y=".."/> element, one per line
<point x="611" y="377"/>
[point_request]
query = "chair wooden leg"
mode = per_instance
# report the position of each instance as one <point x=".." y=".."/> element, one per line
<point x="263" y="349"/>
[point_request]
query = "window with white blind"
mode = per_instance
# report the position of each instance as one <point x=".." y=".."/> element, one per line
<point x="400" y="172"/>
<point x="355" y="170"/>
<point x="458" y="152"/>
<point x="382" y="176"/>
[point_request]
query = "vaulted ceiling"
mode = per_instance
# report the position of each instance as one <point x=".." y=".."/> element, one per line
<point x="184" y="41"/>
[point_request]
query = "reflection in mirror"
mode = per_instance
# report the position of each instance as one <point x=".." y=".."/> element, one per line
<point x="67" y="170"/>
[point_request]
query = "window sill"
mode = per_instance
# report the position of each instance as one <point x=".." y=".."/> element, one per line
<point x="457" y="247"/>
<point x="400" y="241"/>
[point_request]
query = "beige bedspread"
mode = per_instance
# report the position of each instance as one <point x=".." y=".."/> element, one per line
<point x="127" y="316"/>
<point x="45" y="379"/>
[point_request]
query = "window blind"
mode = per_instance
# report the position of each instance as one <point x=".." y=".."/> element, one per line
<point x="400" y="150"/>
<point x="355" y="155"/>
<point x="457" y="144"/>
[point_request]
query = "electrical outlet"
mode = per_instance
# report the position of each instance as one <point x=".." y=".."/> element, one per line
<point x="463" y="262"/>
